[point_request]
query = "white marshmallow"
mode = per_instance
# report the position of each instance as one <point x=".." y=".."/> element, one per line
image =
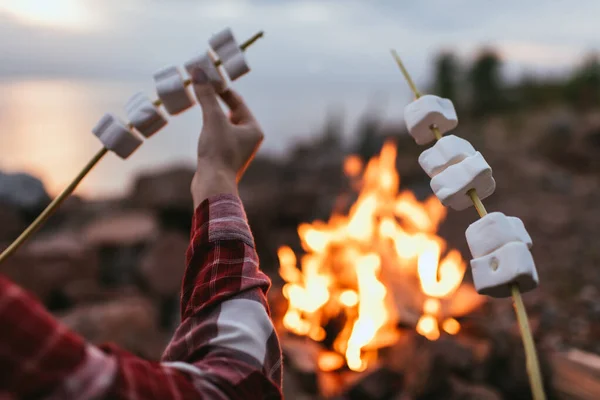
<point x="522" y="233"/>
<point x="447" y="151"/>
<point x="236" y="66"/>
<point x="116" y="136"/>
<point x="426" y="111"/>
<point x="224" y="44"/>
<point x="171" y="90"/>
<point x="206" y="63"/>
<point x="452" y="184"/>
<point x="493" y="231"/>
<point x="495" y="273"/>
<point x="145" y="117"/>
<point x="228" y="50"/>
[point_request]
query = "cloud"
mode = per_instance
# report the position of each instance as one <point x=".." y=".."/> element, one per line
<point x="337" y="39"/>
<point x="74" y="15"/>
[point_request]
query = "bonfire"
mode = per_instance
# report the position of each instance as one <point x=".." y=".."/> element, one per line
<point x="373" y="268"/>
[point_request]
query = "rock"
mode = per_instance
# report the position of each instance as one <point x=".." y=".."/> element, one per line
<point x="24" y="192"/>
<point x="167" y="189"/>
<point x="87" y="292"/>
<point x="557" y="137"/>
<point x="121" y="229"/>
<point x="118" y="265"/>
<point x="11" y="222"/>
<point x="380" y="384"/>
<point x="128" y="321"/>
<point x="300" y="357"/>
<point x="51" y="263"/>
<point x="121" y="239"/>
<point x="462" y="390"/>
<point x="163" y="264"/>
<point x="453" y="355"/>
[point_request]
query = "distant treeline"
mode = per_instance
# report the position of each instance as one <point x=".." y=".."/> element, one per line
<point x="479" y="88"/>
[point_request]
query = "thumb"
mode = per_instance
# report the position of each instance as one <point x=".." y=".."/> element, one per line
<point x="206" y="95"/>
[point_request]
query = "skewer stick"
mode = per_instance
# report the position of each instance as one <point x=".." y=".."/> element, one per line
<point x="35" y="225"/>
<point x="53" y="206"/>
<point x="533" y="365"/>
<point x="243" y="47"/>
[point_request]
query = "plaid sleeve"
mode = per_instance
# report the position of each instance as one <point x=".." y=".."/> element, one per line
<point x="226" y="340"/>
<point x="225" y="348"/>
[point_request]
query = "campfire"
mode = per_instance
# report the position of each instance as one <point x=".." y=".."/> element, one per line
<point x="379" y="266"/>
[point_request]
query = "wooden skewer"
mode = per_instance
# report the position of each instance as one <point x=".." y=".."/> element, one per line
<point x="53" y="206"/>
<point x="35" y="225"/>
<point x="243" y="47"/>
<point x="533" y="365"/>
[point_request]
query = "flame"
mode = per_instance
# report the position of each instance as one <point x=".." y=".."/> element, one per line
<point x="349" y="298"/>
<point x="353" y="166"/>
<point x="428" y="327"/>
<point x="330" y="361"/>
<point x="342" y="270"/>
<point x="451" y="326"/>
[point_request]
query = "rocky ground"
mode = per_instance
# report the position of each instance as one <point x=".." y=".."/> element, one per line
<point x="111" y="269"/>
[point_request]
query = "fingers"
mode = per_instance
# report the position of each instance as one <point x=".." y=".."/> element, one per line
<point x="239" y="110"/>
<point x="206" y="95"/>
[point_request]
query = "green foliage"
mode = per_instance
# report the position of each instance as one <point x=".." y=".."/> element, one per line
<point x="447" y="76"/>
<point x="369" y="143"/>
<point x="486" y="86"/>
<point x="583" y="89"/>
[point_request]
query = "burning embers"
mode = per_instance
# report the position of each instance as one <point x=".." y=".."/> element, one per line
<point x="365" y="269"/>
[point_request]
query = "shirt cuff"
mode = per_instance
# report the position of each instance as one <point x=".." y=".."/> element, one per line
<point x="219" y="218"/>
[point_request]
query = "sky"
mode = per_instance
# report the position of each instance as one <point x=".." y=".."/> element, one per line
<point x="68" y="61"/>
<point x="304" y="39"/>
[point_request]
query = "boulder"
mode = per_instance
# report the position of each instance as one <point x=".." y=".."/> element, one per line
<point x="12" y="222"/>
<point x="163" y="264"/>
<point x="168" y="189"/>
<point x="125" y="228"/>
<point x="128" y="321"/>
<point x="51" y="263"/>
<point x="24" y="192"/>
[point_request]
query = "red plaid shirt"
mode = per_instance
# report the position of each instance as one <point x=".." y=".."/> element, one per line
<point x="225" y="347"/>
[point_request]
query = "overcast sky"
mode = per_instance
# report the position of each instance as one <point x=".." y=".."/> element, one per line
<point x="124" y="38"/>
<point x="68" y="61"/>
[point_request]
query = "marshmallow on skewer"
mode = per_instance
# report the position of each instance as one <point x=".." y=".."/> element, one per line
<point x="452" y="184"/>
<point x="116" y="136"/>
<point x="447" y="151"/>
<point x="501" y="258"/>
<point x="206" y="63"/>
<point x="493" y="231"/>
<point x="230" y="54"/>
<point x="145" y="117"/>
<point x="495" y="273"/>
<point x="170" y="87"/>
<point x="428" y="111"/>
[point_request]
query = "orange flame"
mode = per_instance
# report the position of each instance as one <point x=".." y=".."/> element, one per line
<point x="342" y="269"/>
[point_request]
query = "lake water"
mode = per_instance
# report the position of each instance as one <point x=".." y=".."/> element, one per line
<point x="45" y="125"/>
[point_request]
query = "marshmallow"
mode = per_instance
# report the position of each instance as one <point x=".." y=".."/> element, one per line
<point x="426" y="111"/>
<point x="493" y="231"/>
<point x="228" y="50"/>
<point x="447" y="151"/>
<point x="145" y="117"/>
<point x="522" y="233"/>
<point x="116" y="136"/>
<point x="236" y="66"/>
<point x="495" y="273"/>
<point x="171" y="90"/>
<point x="452" y="184"/>
<point x="206" y="63"/>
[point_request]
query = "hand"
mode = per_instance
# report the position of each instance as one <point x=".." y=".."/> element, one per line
<point x="227" y="144"/>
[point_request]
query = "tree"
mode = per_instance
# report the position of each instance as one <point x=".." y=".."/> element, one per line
<point x="486" y="84"/>
<point x="583" y="89"/>
<point x="446" y="76"/>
